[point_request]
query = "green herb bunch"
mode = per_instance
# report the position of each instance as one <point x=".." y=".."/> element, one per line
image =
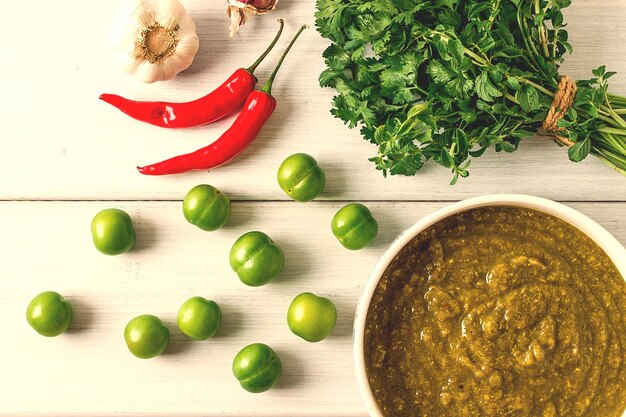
<point x="447" y="79"/>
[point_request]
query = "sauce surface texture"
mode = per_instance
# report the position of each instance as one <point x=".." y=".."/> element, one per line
<point x="498" y="311"/>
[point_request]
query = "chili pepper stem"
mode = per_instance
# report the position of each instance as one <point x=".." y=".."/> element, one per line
<point x="252" y="67"/>
<point x="267" y="88"/>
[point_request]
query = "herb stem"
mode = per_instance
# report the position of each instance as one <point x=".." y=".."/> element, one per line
<point x="612" y="130"/>
<point x="452" y="150"/>
<point x="530" y="42"/>
<point x="478" y="60"/>
<point x="554" y="41"/>
<point x="619" y="100"/>
<point x="537" y="86"/>
<point x="523" y="35"/>
<point x="614" y="115"/>
<point x="613" y="157"/>
<point x="543" y="38"/>
<point x="609" y="121"/>
<point x="528" y="62"/>
<point x="511" y="97"/>
<point x="562" y="140"/>
<point x="419" y="89"/>
<point x="615" y="142"/>
<point x="494" y="12"/>
<point x="616" y="168"/>
<point x="605" y="141"/>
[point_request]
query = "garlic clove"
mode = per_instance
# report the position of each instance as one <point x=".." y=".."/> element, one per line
<point x="237" y="10"/>
<point x="261" y="6"/>
<point x="237" y="18"/>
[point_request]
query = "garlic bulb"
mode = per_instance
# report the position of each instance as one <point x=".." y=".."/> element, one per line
<point x="237" y="10"/>
<point x="156" y="39"/>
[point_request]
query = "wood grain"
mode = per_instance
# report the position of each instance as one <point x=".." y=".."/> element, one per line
<point x="89" y="370"/>
<point x="58" y="141"/>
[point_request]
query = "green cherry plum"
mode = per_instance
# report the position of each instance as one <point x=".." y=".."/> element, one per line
<point x="301" y="178"/>
<point x="49" y="314"/>
<point x="112" y="231"/>
<point x="354" y="226"/>
<point x="146" y="336"/>
<point x="257" y="368"/>
<point x="311" y="317"/>
<point x="256" y="259"/>
<point x="199" y="318"/>
<point x="206" y="207"/>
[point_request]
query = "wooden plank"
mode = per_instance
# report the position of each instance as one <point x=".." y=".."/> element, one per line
<point x="60" y="142"/>
<point x="47" y="246"/>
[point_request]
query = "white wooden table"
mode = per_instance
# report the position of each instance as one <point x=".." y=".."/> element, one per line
<point x="65" y="155"/>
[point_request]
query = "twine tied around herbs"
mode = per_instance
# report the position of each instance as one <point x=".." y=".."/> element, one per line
<point x="562" y="102"/>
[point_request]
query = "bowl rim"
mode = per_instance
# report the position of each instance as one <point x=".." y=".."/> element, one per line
<point x="611" y="246"/>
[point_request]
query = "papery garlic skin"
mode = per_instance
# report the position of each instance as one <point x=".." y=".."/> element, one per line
<point x="237" y="10"/>
<point x="156" y="39"/>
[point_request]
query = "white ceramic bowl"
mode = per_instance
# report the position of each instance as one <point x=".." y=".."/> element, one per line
<point x="604" y="239"/>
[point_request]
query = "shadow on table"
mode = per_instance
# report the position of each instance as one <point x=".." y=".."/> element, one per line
<point x="345" y="320"/>
<point x="241" y="213"/>
<point x="82" y="316"/>
<point x="231" y="322"/>
<point x="146" y="232"/>
<point x="297" y="262"/>
<point x="293" y="372"/>
<point x="388" y="227"/>
<point x="179" y="343"/>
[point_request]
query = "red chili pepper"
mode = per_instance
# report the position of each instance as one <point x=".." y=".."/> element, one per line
<point x="208" y="109"/>
<point x="257" y="110"/>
